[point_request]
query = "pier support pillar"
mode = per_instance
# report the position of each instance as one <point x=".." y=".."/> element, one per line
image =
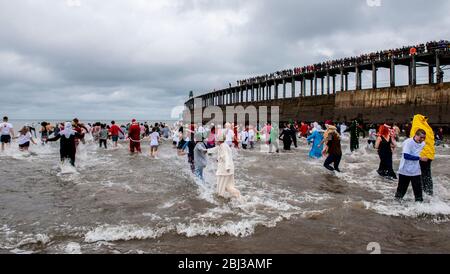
<point x="410" y="74"/>
<point x="346" y="81"/>
<point x="302" y="87"/>
<point x="413" y="71"/>
<point x="392" y="73"/>
<point x="293" y="88"/>
<point x="358" y="77"/>
<point x="439" y="73"/>
<point x="258" y="93"/>
<point x="315" y="84"/>
<point x="334" y="84"/>
<point x="284" y="88"/>
<point x="322" y="86"/>
<point x="276" y="90"/>
<point x="328" y="83"/>
<point x="252" y="94"/>
<point x="342" y="80"/>
<point x="374" y="76"/>
<point x="430" y="74"/>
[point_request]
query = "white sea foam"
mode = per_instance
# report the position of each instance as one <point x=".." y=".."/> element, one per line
<point x="21" y="251"/>
<point x="123" y="232"/>
<point x="436" y="208"/>
<point x="153" y="217"/>
<point x="73" y="248"/>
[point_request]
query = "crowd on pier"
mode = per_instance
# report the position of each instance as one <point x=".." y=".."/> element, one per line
<point x="378" y="56"/>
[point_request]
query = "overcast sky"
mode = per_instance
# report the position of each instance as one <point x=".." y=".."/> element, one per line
<point x="116" y="59"/>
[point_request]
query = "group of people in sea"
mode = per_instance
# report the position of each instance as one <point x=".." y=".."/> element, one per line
<point x="199" y="140"/>
<point x="381" y="55"/>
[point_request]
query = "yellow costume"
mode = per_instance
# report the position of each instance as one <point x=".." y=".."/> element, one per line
<point x="421" y="122"/>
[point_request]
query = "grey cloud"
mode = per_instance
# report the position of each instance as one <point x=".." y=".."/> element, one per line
<point x="156" y="51"/>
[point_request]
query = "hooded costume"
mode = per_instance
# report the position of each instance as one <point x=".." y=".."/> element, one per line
<point x="273" y="138"/>
<point x="225" y="169"/>
<point x="316" y="138"/>
<point x="421" y="122"/>
<point x="68" y="146"/>
<point x="286" y="136"/>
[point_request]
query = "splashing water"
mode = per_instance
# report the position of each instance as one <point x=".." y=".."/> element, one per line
<point x="115" y="202"/>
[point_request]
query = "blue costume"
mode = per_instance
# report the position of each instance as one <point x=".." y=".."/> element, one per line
<point x="316" y="137"/>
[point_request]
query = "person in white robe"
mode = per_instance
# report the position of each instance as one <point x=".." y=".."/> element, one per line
<point x="225" y="169"/>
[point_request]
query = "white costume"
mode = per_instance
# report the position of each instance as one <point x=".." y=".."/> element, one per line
<point x="225" y="171"/>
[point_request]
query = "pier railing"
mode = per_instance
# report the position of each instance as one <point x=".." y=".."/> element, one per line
<point x="268" y="89"/>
